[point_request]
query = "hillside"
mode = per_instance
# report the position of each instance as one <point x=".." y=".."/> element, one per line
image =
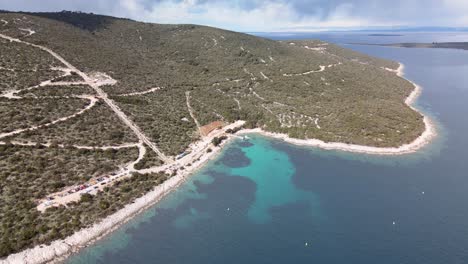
<point x="84" y="95"/>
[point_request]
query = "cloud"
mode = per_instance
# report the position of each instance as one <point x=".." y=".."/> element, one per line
<point x="268" y="15"/>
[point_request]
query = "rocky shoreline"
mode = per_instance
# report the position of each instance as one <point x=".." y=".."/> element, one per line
<point x="426" y="137"/>
<point x="59" y="250"/>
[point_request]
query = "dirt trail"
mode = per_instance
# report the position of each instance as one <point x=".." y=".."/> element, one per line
<point x="266" y="77"/>
<point x="48" y="145"/>
<point x="322" y="68"/>
<point x="198" y="149"/>
<point x="64" y="83"/>
<point x="190" y="109"/>
<point x="130" y="124"/>
<point x="141" y="93"/>
<point x="64" y="197"/>
<point x="95" y="83"/>
<point x="255" y="93"/>
<point x="238" y="103"/>
<point x="28" y="31"/>
<point x="11" y="94"/>
<point x="198" y="153"/>
<point x="316" y="123"/>
<point x="92" y="102"/>
<point x="141" y="155"/>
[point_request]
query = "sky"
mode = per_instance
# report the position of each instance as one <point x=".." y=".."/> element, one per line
<point x="269" y="15"/>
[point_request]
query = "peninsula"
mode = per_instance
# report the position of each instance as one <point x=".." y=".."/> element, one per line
<point x="102" y="116"/>
<point x="433" y="45"/>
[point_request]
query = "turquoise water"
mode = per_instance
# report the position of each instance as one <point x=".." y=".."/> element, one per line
<point x="265" y="201"/>
<point x="257" y="181"/>
<point x="272" y="172"/>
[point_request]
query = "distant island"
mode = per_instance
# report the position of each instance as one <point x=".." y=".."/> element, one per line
<point x="385" y="35"/>
<point x="101" y="116"/>
<point x="434" y="45"/>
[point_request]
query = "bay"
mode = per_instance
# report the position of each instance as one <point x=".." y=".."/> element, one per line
<point x="266" y="201"/>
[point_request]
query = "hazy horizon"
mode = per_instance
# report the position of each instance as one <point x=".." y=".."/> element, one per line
<point x="271" y="15"/>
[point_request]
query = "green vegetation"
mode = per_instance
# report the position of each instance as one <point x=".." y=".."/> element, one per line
<point x="163" y="116"/>
<point x="307" y="89"/>
<point x="23" y="226"/>
<point x="233" y="130"/>
<point x="22" y="66"/>
<point x="73" y="77"/>
<point x="57" y="91"/>
<point x="30" y="173"/>
<point x="250" y="82"/>
<point x="24" y="113"/>
<point x="98" y="126"/>
<point x="218" y="140"/>
<point x="36" y="170"/>
<point x="149" y="160"/>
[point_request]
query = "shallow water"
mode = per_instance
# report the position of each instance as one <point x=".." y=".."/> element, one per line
<point x="265" y="201"/>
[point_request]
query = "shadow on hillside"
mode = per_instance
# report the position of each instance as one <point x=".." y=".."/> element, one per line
<point x="85" y="21"/>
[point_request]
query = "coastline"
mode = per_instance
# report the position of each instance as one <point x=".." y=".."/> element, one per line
<point x="421" y="141"/>
<point x="57" y="251"/>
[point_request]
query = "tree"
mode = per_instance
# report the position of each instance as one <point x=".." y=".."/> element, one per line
<point x="217" y="140"/>
<point x="86" y="197"/>
<point x="104" y="204"/>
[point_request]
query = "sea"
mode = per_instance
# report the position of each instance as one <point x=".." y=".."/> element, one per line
<point x="266" y="201"/>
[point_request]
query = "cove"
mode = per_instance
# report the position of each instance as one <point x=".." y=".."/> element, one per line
<point x="265" y="201"/>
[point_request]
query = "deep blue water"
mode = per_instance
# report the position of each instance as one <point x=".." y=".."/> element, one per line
<point x="265" y="201"/>
<point x="366" y="37"/>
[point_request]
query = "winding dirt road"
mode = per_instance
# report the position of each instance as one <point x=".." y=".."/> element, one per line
<point x="92" y="102"/>
<point x="95" y="84"/>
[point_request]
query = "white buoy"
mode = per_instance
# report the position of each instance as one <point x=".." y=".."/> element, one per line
<point x="422" y="192"/>
<point x="393" y="222"/>
<point x="228" y="209"/>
